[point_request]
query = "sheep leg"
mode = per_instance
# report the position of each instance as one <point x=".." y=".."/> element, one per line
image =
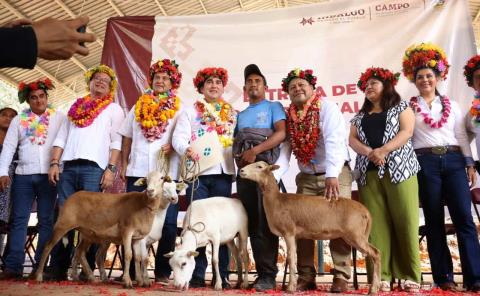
<point x="362" y="244"/>
<point x="144" y="264"/>
<point x="75" y="261"/>
<point x="100" y="259"/>
<point x="82" y="250"/>
<point x="218" y="279"/>
<point x="243" y="253"/>
<point x="127" y="247"/>
<point x="233" y="248"/>
<point x="59" y="231"/>
<point x="292" y="262"/>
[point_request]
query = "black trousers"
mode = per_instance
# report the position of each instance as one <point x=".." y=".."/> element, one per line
<point x="264" y="242"/>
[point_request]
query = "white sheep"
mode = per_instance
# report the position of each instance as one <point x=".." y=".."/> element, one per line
<point x="215" y="220"/>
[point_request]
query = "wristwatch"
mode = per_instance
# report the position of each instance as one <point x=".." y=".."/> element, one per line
<point x="112" y="168"/>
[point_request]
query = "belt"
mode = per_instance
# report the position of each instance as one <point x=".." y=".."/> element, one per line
<point x="438" y="150"/>
<point x="346" y="163"/>
<point x="80" y="162"/>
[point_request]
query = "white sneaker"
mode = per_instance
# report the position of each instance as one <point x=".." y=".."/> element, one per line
<point x="385" y="286"/>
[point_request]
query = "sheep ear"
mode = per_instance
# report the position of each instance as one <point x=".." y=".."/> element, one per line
<point x="274" y="167"/>
<point x="192" y="253"/>
<point x="140" y="182"/>
<point x="168" y="255"/>
<point x="167" y="179"/>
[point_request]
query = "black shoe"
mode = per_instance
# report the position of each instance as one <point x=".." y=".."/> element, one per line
<point x="197" y="283"/>
<point x="475" y="288"/>
<point x="264" y="283"/>
<point x="55" y="275"/>
<point x="226" y="286"/>
<point x="10" y="275"/>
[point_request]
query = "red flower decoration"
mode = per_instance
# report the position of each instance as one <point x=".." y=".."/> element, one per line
<point x="379" y="73"/>
<point x="472" y="65"/>
<point x="206" y="73"/>
<point x="298" y="73"/>
<point x="24" y="89"/>
<point x="168" y="66"/>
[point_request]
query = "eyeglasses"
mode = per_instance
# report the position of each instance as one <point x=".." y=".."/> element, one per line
<point x="102" y="80"/>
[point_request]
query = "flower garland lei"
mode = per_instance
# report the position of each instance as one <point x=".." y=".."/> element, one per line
<point x="85" y="110"/>
<point x="475" y="110"/>
<point x="153" y="112"/>
<point x="446" y="107"/>
<point x="36" y="126"/>
<point x="304" y="129"/>
<point x="220" y="117"/>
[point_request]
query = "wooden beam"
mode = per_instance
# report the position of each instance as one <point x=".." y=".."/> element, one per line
<point x="8" y="80"/>
<point x="241" y="4"/>
<point x="115" y="7"/>
<point x="203" y="6"/>
<point x="161" y="8"/>
<point x="55" y="80"/>
<point x="285" y="3"/>
<point x="475" y="19"/>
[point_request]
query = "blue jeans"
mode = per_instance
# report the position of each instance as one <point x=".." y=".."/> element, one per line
<point x="169" y="234"/>
<point x="210" y="186"/>
<point x="443" y="177"/>
<point x="26" y="189"/>
<point x="77" y="175"/>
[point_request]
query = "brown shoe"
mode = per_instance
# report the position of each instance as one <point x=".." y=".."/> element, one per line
<point x="448" y="286"/>
<point x="305" y="284"/>
<point x="339" y="285"/>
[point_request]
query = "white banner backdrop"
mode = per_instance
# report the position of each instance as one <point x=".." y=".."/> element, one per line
<point x="337" y="39"/>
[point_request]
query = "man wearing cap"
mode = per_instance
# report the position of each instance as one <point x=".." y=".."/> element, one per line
<point x="147" y="147"/>
<point x="210" y="114"/>
<point x="88" y="146"/>
<point x="32" y="132"/>
<point x="317" y="135"/>
<point x="266" y="118"/>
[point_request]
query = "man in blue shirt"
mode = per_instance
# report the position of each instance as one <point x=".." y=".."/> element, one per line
<point x="260" y="114"/>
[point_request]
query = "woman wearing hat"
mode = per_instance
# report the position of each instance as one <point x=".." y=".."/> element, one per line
<point x="442" y="147"/>
<point x="380" y="135"/>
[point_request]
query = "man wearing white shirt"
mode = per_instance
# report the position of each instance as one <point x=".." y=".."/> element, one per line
<point x="265" y="118"/>
<point x="32" y="132"/>
<point x="145" y="145"/>
<point x="209" y="115"/>
<point x="317" y="134"/>
<point x="88" y="145"/>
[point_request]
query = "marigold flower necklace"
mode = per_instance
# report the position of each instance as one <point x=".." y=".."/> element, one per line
<point x="446" y="107"/>
<point x="85" y="110"/>
<point x="475" y="109"/>
<point x="304" y="129"/>
<point x="153" y="113"/>
<point x="220" y="117"/>
<point x="36" y="126"/>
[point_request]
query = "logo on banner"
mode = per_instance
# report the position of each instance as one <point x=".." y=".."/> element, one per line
<point x="176" y="42"/>
<point x="337" y="18"/>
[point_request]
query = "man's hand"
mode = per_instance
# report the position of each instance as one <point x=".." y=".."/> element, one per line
<point x="332" y="188"/>
<point x="248" y="156"/>
<point x="167" y="149"/>
<point x="59" y="39"/>
<point x="107" y="179"/>
<point x="4" y="182"/>
<point x="16" y="23"/>
<point x="123" y="173"/>
<point x="472" y="176"/>
<point x="189" y="153"/>
<point x="54" y="174"/>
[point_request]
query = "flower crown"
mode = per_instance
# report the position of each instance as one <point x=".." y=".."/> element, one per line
<point x="380" y="73"/>
<point x="102" y="69"/>
<point x="298" y="73"/>
<point x="472" y="65"/>
<point x="168" y="66"/>
<point x="424" y="55"/>
<point x="24" y="89"/>
<point x="204" y="74"/>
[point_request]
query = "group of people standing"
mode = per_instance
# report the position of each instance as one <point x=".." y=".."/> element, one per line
<point x="396" y="142"/>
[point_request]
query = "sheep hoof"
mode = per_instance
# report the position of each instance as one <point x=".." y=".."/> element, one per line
<point x="244" y="284"/>
<point x="292" y="288"/>
<point x="218" y="286"/>
<point x="127" y="283"/>
<point x="147" y="282"/>
<point x="373" y="290"/>
<point x="39" y="277"/>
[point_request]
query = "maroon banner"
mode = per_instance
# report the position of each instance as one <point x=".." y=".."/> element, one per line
<point x="128" y="50"/>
